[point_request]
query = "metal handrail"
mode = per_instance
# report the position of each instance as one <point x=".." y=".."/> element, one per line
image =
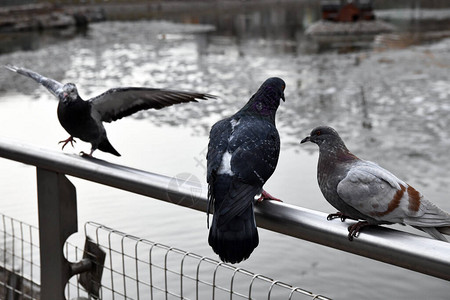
<point x="417" y="253"/>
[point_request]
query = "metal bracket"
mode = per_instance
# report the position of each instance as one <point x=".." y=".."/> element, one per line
<point x="90" y="268"/>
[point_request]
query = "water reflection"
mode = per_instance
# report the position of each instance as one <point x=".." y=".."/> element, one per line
<point x="33" y="40"/>
<point x="405" y="92"/>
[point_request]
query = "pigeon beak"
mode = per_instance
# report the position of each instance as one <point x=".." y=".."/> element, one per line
<point x="282" y="97"/>
<point x="306" y="139"/>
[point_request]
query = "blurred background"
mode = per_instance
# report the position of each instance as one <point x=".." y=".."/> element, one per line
<point x="384" y="86"/>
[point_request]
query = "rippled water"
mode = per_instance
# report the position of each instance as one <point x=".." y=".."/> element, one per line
<point x="390" y="106"/>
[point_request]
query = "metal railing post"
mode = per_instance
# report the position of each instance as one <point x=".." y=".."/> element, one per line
<point x="57" y="207"/>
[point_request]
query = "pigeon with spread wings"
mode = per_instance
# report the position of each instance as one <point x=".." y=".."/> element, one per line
<point x="83" y="119"/>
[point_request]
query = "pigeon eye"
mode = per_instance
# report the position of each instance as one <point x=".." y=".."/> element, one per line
<point x="318" y="133"/>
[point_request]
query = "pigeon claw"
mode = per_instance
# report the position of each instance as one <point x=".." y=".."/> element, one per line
<point x="355" y="229"/>
<point x="337" y="215"/>
<point x="84" y="154"/>
<point x="66" y="141"/>
<point x="266" y="196"/>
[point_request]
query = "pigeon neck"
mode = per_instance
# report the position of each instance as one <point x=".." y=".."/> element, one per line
<point x="260" y="112"/>
<point x="71" y="101"/>
<point x="336" y="151"/>
<point x="262" y="105"/>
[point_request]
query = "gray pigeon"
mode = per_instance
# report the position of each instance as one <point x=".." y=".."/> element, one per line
<point x="362" y="190"/>
<point x="242" y="155"/>
<point x="83" y="119"/>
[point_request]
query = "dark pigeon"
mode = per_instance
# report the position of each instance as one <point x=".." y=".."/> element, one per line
<point x="362" y="190"/>
<point x="242" y="155"/>
<point x="83" y="119"/>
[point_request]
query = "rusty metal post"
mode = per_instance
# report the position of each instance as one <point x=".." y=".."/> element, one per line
<point x="57" y="207"/>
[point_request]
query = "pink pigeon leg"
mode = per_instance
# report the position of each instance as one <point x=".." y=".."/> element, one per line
<point x="66" y="141"/>
<point x="266" y="196"/>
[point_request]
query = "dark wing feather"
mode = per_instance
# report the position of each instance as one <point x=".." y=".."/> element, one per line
<point x="218" y="143"/>
<point x="257" y="147"/>
<point x="254" y="148"/>
<point x="239" y="197"/>
<point x="117" y="103"/>
<point x="53" y="86"/>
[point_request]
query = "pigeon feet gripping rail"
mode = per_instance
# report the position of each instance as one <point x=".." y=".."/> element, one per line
<point x="266" y="196"/>
<point x="66" y="141"/>
<point x="338" y="215"/>
<point x="355" y="229"/>
<point x="84" y="154"/>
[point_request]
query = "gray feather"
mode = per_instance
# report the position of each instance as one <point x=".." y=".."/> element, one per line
<point x="434" y="232"/>
<point x="53" y="86"/>
<point x="117" y="103"/>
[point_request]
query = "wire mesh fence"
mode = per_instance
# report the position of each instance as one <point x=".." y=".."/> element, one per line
<point x="134" y="268"/>
<point x="19" y="260"/>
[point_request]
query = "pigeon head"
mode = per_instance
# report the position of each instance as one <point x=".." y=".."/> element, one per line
<point x="324" y="136"/>
<point x="70" y="92"/>
<point x="266" y="100"/>
<point x="271" y="91"/>
<point x="274" y="86"/>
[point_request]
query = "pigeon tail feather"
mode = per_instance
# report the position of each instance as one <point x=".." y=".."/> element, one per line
<point x="444" y="230"/>
<point x="434" y="232"/>
<point x="106" y="146"/>
<point x="236" y="238"/>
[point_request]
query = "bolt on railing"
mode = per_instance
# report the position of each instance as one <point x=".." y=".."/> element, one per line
<point x="398" y="248"/>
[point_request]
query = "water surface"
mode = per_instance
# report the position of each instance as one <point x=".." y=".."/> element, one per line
<point x="390" y="106"/>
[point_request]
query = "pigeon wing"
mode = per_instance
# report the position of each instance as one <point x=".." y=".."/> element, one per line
<point x="53" y="86"/>
<point x="253" y="161"/>
<point x="217" y="146"/>
<point x="218" y="143"/>
<point x="235" y="203"/>
<point x="255" y="158"/>
<point x="117" y="103"/>
<point x="429" y="215"/>
<point x="379" y="194"/>
<point x="374" y="191"/>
